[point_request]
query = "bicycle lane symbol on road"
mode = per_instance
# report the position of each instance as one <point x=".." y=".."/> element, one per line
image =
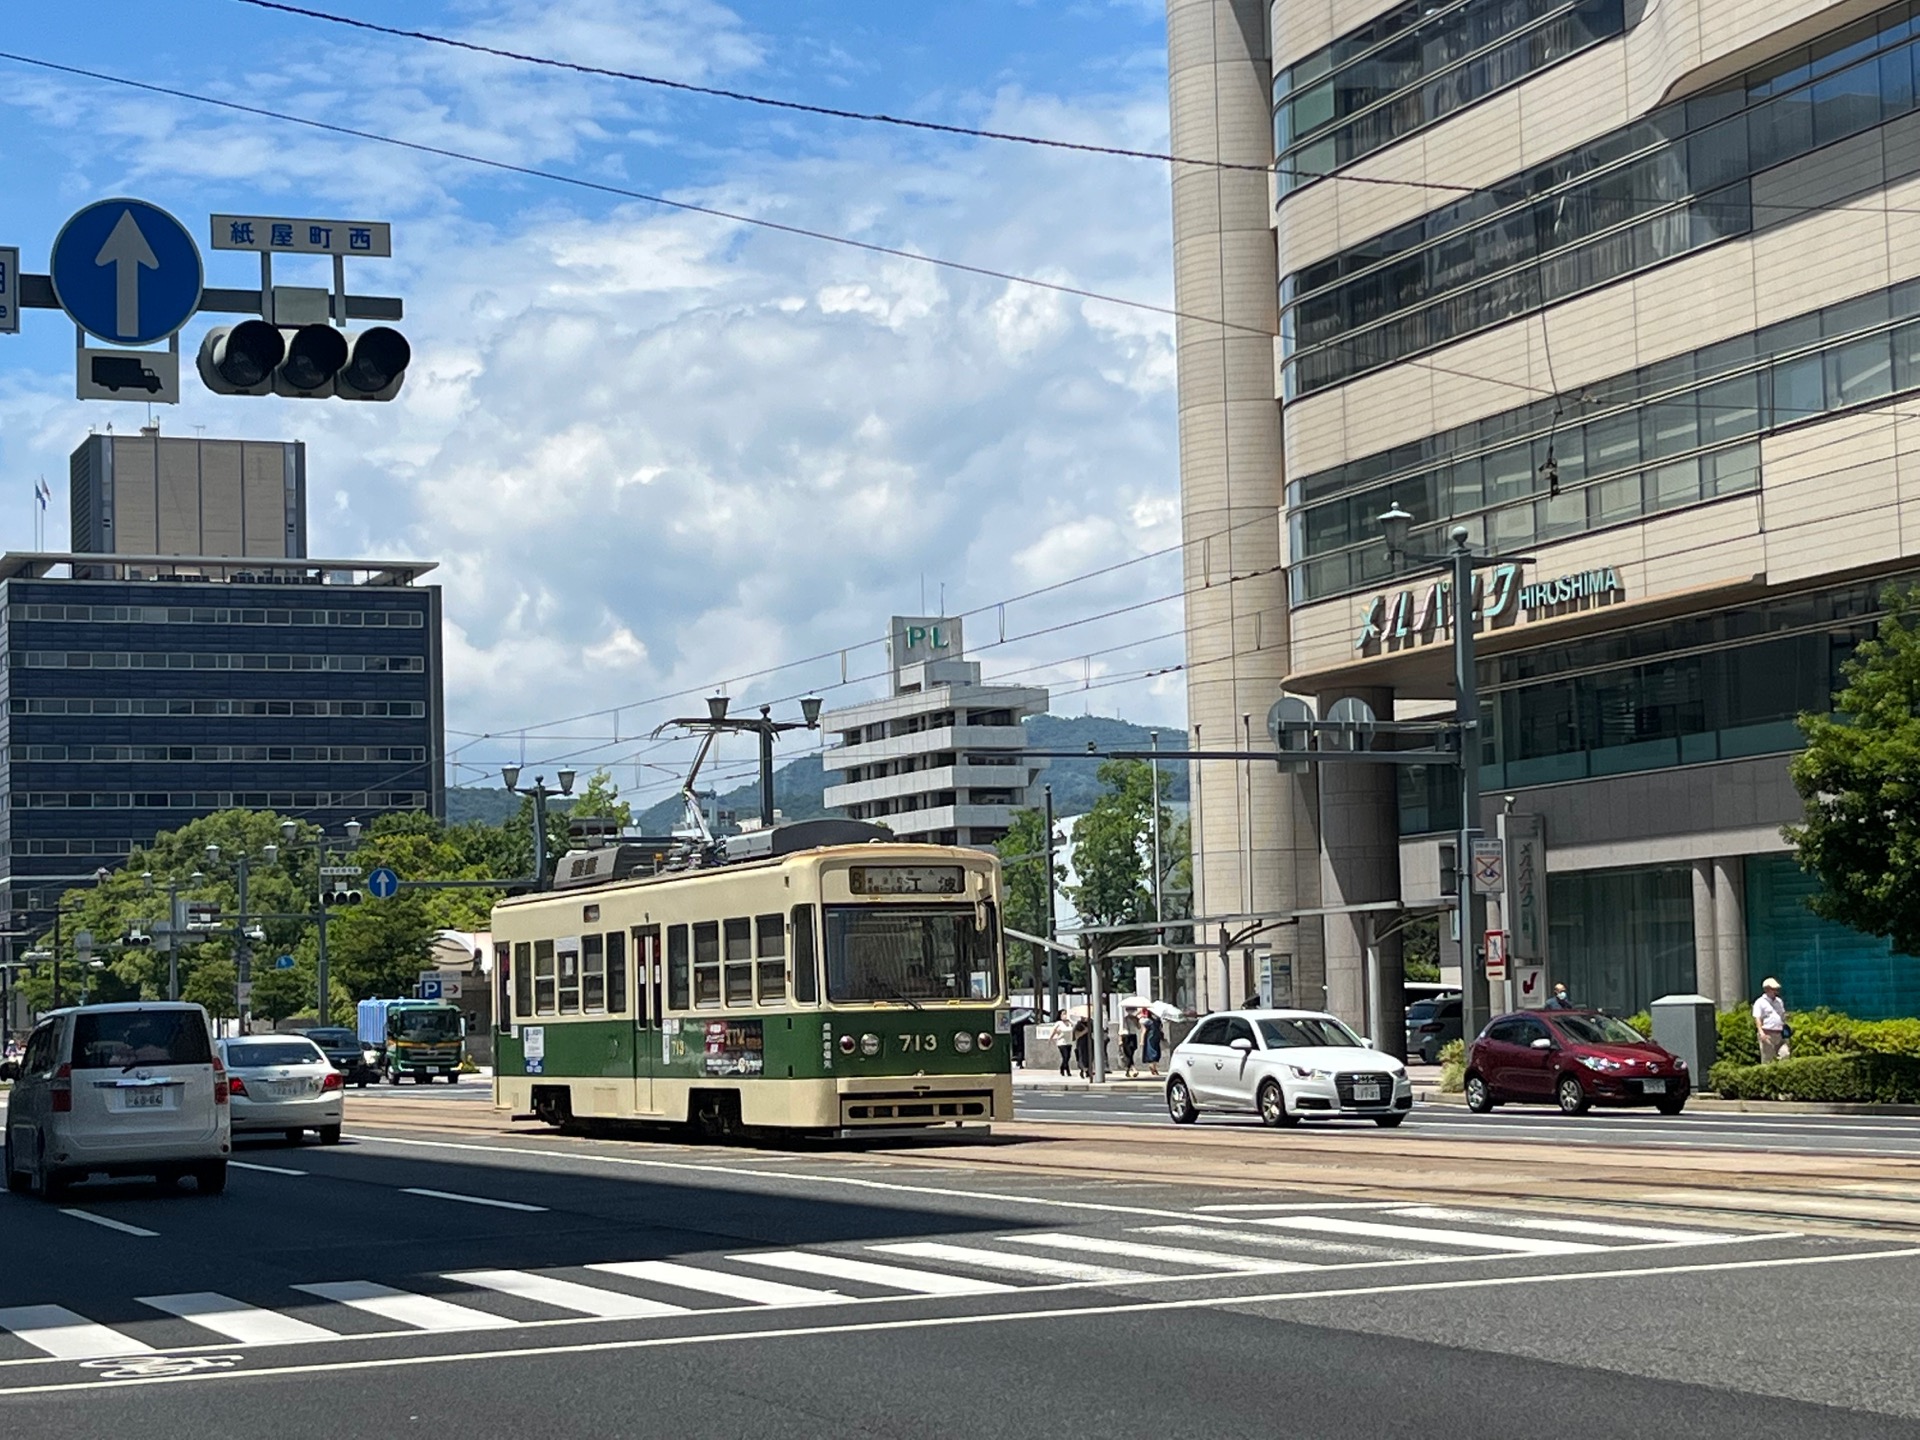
<point x="151" y="1367"/>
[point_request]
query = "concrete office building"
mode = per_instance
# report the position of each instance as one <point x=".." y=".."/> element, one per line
<point x="940" y="759"/>
<point x="1627" y="289"/>
<point x="146" y="687"/>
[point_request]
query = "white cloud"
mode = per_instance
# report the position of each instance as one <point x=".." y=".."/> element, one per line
<point x="653" y="450"/>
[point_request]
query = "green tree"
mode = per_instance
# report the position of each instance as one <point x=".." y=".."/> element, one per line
<point x="1859" y="779"/>
<point x="601" y="800"/>
<point x="1023" y="858"/>
<point x="1112" y="856"/>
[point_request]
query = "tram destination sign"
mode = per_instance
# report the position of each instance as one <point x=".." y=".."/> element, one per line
<point x="906" y="880"/>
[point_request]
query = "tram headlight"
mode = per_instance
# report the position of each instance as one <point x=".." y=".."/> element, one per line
<point x="846" y="1044"/>
<point x="963" y="1043"/>
<point x="986" y="1040"/>
<point x="869" y="1044"/>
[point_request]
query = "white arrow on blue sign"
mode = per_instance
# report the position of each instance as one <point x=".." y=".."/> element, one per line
<point x="383" y="882"/>
<point x="126" y="271"/>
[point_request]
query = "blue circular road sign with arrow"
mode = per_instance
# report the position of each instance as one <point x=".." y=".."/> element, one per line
<point x="127" y="272"/>
<point x="383" y="882"/>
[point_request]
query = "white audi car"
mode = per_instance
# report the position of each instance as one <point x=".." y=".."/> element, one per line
<point x="1284" y="1066"/>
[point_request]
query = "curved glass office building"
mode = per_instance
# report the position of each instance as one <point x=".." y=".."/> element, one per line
<point x="1631" y="291"/>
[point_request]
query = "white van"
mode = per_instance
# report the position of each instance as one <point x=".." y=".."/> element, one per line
<point x="132" y="1089"/>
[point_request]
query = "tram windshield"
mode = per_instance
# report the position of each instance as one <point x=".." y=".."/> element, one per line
<point x="888" y="952"/>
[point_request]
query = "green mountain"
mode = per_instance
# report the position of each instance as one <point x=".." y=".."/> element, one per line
<point x="797" y="787"/>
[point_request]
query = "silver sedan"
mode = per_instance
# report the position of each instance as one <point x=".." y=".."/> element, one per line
<point x="284" y="1083"/>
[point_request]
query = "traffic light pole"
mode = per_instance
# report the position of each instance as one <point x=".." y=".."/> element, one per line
<point x="324" y="1008"/>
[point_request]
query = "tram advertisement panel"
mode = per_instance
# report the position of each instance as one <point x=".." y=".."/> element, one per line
<point x="736" y="1047"/>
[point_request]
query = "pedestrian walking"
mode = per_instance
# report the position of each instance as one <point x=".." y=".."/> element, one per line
<point x="1129" y="1039"/>
<point x="1083" y="1047"/>
<point x="1151" y="1035"/>
<point x="1560" y="1000"/>
<point x="1770" y="1019"/>
<point x="1063" y="1037"/>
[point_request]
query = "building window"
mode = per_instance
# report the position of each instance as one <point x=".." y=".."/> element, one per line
<point x="1665" y="185"/>
<point x="1689" y="407"/>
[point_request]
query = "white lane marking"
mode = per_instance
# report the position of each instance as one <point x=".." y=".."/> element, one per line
<point x="476" y="1200"/>
<point x="65" y="1335"/>
<point x="850" y="1182"/>
<point x="1081" y="1312"/>
<point x="565" y="1294"/>
<point x="263" y="1169"/>
<point x="422" y="1312"/>
<point x="1594" y="1228"/>
<point x="1271" y="1240"/>
<point x="1041" y="1265"/>
<point x="750" y="1288"/>
<point x="1427" y="1235"/>
<point x="891" y="1277"/>
<point x="1212" y="1260"/>
<point x="248" y="1324"/>
<point x="1298" y="1205"/>
<point x="120" y="1225"/>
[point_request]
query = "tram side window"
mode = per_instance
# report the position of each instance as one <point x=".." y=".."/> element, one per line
<point x="593" y="975"/>
<point x="740" y="962"/>
<point x="706" y="963"/>
<point x="678" y="993"/>
<point x="503" y="985"/>
<point x="522" y="978"/>
<point x="543" y="977"/>
<point x="806" y="978"/>
<point x="616" y="973"/>
<point x="570" y="976"/>
<point x="771" y="932"/>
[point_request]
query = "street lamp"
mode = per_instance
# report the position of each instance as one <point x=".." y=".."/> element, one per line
<point x="1396" y="527"/>
<point x="540" y="793"/>
<point x="242" y="933"/>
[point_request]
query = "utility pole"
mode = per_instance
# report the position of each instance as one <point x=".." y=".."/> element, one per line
<point x="1159" y="934"/>
<point x="1053" y="977"/>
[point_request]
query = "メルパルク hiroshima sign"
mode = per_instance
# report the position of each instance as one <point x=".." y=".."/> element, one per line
<point x="1415" y="618"/>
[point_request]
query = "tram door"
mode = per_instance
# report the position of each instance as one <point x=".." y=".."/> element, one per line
<point x="646" y="1016"/>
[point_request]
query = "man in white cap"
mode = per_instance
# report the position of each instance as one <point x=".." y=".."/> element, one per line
<point x="1770" y="1019"/>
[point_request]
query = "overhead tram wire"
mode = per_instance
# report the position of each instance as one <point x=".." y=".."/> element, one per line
<point x="606" y="188"/>
<point x="745" y="97"/>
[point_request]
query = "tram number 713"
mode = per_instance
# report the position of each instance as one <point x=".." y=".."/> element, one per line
<point x="928" y="1041"/>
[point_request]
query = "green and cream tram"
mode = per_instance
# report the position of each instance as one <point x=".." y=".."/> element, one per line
<point x="836" y="981"/>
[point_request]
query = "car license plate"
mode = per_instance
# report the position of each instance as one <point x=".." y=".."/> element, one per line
<point x="1365" y="1093"/>
<point x="287" y="1089"/>
<point x="145" y="1099"/>
<point x="1654" y="1087"/>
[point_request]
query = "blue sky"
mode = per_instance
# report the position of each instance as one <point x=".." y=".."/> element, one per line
<point x="652" y="450"/>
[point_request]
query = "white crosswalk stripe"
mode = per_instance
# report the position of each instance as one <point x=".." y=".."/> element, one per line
<point x="1426" y="1235"/>
<point x="866" y="1272"/>
<point x="750" y="1288"/>
<point x="247" y="1324"/>
<point x="1334" y="1251"/>
<point x="1609" y="1230"/>
<point x="67" y="1336"/>
<point x="1040" y="1267"/>
<point x="1211" y="1260"/>
<point x="422" y="1312"/>
<point x="565" y="1294"/>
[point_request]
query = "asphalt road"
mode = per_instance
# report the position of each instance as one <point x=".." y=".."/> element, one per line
<point x="509" y="1285"/>
<point x="1692" y="1129"/>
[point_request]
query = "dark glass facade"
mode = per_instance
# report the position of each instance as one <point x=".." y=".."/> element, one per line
<point x="1414" y="66"/>
<point x="1662" y="437"/>
<point x="1664" y="186"/>
<point x="134" y="706"/>
<point x="1721" y="686"/>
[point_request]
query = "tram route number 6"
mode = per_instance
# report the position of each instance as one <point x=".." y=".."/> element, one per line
<point x="928" y="1041"/>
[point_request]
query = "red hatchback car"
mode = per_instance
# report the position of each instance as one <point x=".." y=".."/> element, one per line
<point x="1575" y="1058"/>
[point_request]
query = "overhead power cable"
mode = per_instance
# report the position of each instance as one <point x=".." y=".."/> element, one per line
<point x="606" y="188"/>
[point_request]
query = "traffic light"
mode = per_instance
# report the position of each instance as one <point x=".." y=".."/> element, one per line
<point x="138" y="938"/>
<point x="339" y="899"/>
<point x="304" y="362"/>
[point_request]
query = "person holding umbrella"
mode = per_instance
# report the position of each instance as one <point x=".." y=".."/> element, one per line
<point x="1151" y="1035"/>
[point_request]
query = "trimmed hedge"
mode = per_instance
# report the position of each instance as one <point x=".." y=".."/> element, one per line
<point x="1859" y="1078"/>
